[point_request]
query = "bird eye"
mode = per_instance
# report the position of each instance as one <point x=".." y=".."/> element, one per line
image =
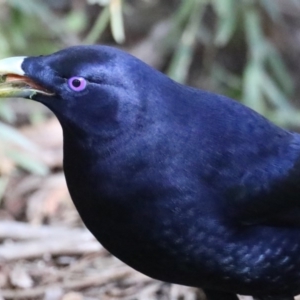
<point x="77" y="84"/>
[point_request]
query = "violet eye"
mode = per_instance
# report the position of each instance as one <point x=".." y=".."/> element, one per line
<point x="77" y="84"/>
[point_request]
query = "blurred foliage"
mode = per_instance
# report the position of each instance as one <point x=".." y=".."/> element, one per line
<point x="265" y="84"/>
<point x="205" y="35"/>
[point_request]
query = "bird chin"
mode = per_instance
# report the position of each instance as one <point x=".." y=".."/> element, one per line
<point x="12" y="86"/>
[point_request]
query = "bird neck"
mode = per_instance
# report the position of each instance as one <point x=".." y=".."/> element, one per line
<point x="93" y="136"/>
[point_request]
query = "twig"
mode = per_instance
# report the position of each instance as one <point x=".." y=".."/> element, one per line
<point x="34" y="249"/>
<point x="89" y="281"/>
<point x="46" y="240"/>
<point x="23" y="231"/>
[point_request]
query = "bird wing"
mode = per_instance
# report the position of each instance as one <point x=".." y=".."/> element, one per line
<point x="252" y="163"/>
<point x="268" y="190"/>
<point x="275" y="203"/>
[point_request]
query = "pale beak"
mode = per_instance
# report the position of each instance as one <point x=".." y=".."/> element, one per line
<point x="14" y="83"/>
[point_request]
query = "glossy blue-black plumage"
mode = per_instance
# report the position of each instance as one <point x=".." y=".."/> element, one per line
<point x="183" y="185"/>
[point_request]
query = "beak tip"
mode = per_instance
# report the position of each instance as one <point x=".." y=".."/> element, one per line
<point x="12" y="65"/>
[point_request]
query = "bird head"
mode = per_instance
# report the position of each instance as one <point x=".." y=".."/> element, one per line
<point x="84" y="86"/>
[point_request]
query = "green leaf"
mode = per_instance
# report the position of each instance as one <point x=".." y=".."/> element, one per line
<point x="227" y="20"/>
<point x="252" y="94"/>
<point x="6" y="112"/>
<point x="116" y="21"/>
<point x="40" y="10"/>
<point x="274" y="94"/>
<point x="76" y="21"/>
<point x="99" y="26"/>
<point x="254" y="33"/>
<point x="279" y="70"/>
<point x="27" y="162"/>
<point x="11" y="135"/>
<point x="225" y="77"/>
<point x="180" y="64"/>
<point x="184" y="11"/>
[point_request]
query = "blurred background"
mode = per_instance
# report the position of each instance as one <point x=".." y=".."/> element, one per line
<point x="246" y="49"/>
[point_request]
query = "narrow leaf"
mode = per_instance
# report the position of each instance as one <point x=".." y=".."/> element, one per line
<point x="116" y="19"/>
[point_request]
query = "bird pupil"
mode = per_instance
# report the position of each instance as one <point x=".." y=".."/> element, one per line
<point x="76" y="82"/>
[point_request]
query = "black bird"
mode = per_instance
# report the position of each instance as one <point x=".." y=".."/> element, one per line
<point x="181" y="184"/>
